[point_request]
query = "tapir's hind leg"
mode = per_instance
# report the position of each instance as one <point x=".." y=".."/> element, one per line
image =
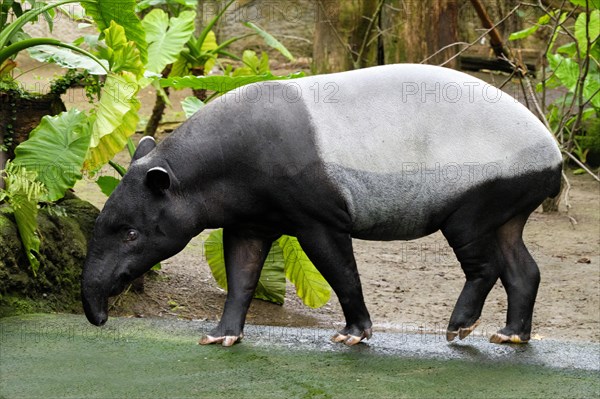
<point x="521" y="278"/>
<point x="331" y="253"/>
<point x="481" y="261"/>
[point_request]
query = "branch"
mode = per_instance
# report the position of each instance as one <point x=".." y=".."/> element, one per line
<point x="363" y="46"/>
<point x="447" y="47"/>
<point x="581" y="165"/>
<point x="480" y="37"/>
<point x="495" y="39"/>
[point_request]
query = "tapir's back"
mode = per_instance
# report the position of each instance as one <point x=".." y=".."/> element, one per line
<point x="418" y="113"/>
<point x="400" y="143"/>
<point x="403" y="141"/>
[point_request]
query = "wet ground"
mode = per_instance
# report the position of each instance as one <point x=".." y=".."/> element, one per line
<point x="63" y="356"/>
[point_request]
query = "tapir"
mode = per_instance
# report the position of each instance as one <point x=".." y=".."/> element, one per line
<point x="393" y="152"/>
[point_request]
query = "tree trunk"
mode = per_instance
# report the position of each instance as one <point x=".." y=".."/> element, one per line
<point x="200" y="94"/>
<point x="415" y="30"/>
<point x="344" y="36"/>
<point x="19" y="115"/>
<point x="157" y="112"/>
<point x="159" y="107"/>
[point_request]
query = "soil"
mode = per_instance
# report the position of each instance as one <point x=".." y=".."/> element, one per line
<point x="408" y="286"/>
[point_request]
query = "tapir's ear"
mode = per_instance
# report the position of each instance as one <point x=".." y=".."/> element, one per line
<point x="145" y="145"/>
<point x="158" y="179"/>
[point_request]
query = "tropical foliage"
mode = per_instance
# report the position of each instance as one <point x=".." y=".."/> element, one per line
<point x="286" y="259"/>
<point x="61" y="146"/>
<point x="575" y="67"/>
<point x="131" y="53"/>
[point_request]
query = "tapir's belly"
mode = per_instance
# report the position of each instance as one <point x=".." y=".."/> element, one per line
<point x="403" y="145"/>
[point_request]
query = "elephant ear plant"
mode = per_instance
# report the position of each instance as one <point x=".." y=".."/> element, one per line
<point x="13" y="39"/>
<point x="177" y="51"/>
<point x="73" y="141"/>
<point x="67" y="144"/>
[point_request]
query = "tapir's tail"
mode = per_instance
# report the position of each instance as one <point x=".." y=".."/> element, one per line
<point x="555" y="181"/>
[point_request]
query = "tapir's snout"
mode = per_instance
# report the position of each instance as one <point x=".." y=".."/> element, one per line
<point x="94" y="297"/>
<point x="95" y="305"/>
<point x="97" y="319"/>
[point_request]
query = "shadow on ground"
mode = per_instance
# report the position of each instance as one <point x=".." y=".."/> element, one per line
<point x="62" y="356"/>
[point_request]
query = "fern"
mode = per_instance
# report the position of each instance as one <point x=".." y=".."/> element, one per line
<point x="22" y="193"/>
<point x="23" y="182"/>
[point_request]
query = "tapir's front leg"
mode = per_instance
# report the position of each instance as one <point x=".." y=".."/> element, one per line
<point x="245" y="254"/>
<point x="331" y="252"/>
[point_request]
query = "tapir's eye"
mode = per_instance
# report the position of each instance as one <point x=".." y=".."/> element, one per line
<point x="132" y="235"/>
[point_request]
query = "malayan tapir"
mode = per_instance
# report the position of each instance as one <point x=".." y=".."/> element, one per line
<point x="393" y="152"/>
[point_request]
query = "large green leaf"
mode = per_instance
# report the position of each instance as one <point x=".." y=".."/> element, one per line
<point x="208" y="46"/>
<point x="117" y="112"/>
<point x="591" y="87"/>
<point x="9" y="51"/>
<point x="166" y="37"/>
<point x="123" y="13"/>
<point x="270" y="40"/>
<point x="107" y="184"/>
<point x="220" y="84"/>
<point x="122" y="54"/>
<point x="522" y="34"/>
<point x="582" y="3"/>
<point x="311" y="287"/>
<point x="66" y="58"/>
<point x="271" y="284"/>
<point x="569" y="49"/>
<point x="583" y="30"/>
<point x="191" y="105"/>
<point x="565" y="69"/>
<point x="55" y="150"/>
<point x="215" y="257"/>
<point x="115" y="119"/>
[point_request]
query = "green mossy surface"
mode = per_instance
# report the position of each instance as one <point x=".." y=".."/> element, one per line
<point x="63" y="247"/>
<point x="63" y="356"/>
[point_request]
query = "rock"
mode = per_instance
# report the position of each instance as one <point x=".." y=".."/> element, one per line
<point x="63" y="247"/>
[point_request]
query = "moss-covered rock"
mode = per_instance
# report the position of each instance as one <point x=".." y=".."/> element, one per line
<point x="64" y="237"/>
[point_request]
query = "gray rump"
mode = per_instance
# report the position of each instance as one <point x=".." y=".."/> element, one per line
<point x="391" y="206"/>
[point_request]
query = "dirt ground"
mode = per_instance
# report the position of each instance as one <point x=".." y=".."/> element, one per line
<point x="408" y="286"/>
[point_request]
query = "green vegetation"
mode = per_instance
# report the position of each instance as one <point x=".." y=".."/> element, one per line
<point x="74" y="141"/>
<point x="180" y="53"/>
<point x="286" y="259"/>
<point x="575" y="67"/>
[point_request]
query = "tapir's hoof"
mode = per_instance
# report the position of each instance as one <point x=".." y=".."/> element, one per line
<point x="499" y="338"/>
<point x="462" y="332"/>
<point x="350" y="339"/>
<point x="227" y="340"/>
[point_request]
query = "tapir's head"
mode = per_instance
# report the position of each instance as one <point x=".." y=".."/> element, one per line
<point x="140" y="225"/>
